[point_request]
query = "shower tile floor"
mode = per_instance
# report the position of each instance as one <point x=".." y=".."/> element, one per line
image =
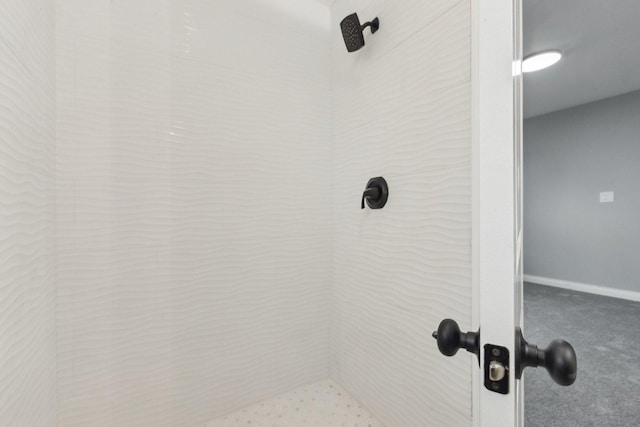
<point x="322" y="404"/>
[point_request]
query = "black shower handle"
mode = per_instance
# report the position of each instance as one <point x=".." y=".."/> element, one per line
<point x="370" y="193"/>
<point x="376" y="193"/>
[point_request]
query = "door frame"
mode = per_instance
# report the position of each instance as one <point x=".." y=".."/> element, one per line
<point x="496" y="79"/>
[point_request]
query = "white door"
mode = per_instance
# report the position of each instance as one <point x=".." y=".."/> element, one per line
<point x="498" y="200"/>
<point x="497" y="228"/>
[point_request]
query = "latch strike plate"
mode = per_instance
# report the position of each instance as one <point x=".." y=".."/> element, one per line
<point x="496" y="368"/>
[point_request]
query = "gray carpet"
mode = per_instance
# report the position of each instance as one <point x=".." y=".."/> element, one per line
<point x="605" y="333"/>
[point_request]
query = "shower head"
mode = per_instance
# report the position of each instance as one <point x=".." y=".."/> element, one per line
<point x="352" y="31"/>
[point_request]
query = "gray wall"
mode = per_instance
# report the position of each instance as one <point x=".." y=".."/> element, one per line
<point x="570" y="156"/>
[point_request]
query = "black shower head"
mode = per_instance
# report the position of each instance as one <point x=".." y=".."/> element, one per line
<point x="352" y="31"/>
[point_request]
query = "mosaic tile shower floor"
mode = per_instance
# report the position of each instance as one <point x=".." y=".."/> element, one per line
<point x="322" y="404"/>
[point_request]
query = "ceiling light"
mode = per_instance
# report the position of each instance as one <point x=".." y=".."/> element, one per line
<point x="540" y="61"/>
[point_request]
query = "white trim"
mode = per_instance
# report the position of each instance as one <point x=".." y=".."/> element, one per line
<point x="584" y="287"/>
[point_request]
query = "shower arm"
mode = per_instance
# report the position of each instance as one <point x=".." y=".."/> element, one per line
<point x="375" y="25"/>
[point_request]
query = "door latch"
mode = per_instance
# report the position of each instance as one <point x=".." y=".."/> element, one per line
<point x="496" y="368"/>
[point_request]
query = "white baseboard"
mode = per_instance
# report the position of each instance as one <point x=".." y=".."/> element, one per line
<point x="583" y="287"/>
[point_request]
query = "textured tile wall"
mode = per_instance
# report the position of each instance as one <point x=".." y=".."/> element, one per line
<point x="402" y="110"/>
<point x="195" y="209"/>
<point x="193" y="206"/>
<point x="27" y="214"/>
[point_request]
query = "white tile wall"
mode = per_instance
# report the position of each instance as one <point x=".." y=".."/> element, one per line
<point x="193" y="207"/>
<point x="195" y="212"/>
<point x="402" y="111"/>
<point x="27" y="214"/>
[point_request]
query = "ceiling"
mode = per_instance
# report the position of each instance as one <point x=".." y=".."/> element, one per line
<point x="600" y="41"/>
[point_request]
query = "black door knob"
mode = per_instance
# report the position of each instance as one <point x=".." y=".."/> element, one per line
<point x="559" y="358"/>
<point x="450" y="339"/>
